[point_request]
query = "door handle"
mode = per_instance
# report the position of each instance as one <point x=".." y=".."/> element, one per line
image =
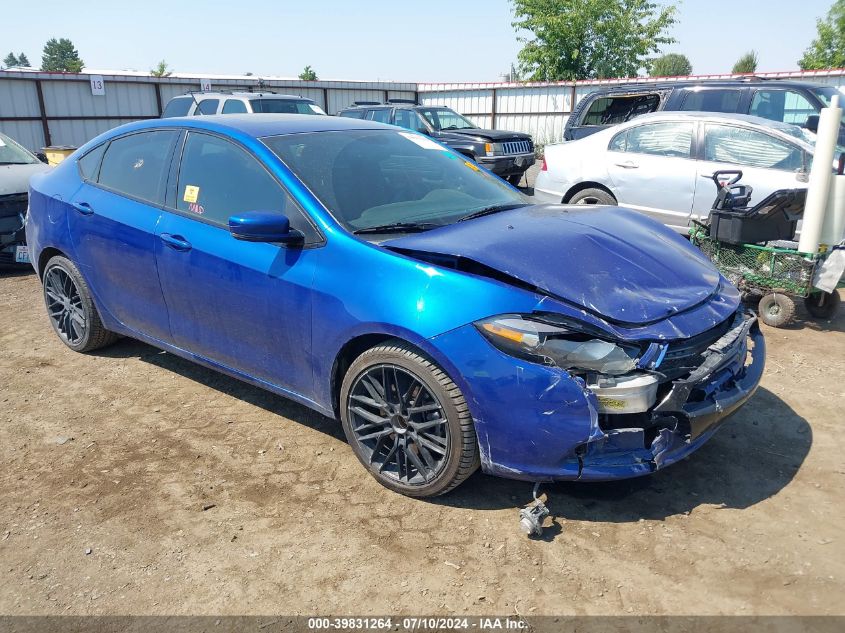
<point x="176" y="242"/>
<point x="627" y="165"/>
<point x="83" y="207"/>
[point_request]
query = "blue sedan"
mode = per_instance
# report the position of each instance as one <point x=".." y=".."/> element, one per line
<point x="382" y="279"/>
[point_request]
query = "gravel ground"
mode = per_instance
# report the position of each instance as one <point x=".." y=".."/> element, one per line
<point x="134" y="482"/>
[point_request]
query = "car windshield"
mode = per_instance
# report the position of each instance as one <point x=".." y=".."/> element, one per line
<point x="13" y="154"/>
<point x="391" y="179"/>
<point x="285" y="106"/>
<point x="446" y="119"/>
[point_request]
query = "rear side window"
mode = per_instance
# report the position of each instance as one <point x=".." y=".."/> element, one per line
<point x="283" y="106"/>
<point x="177" y="107"/>
<point x="613" y="110"/>
<point x="234" y="106"/>
<point x="89" y="165"/>
<point x="137" y="165"/>
<point x="380" y="116"/>
<point x="353" y="114"/>
<point x="657" y="139"/>
<point x="742" y="146"/>
<point x="711" y="101"/>
<point x="786" y="106"/>
<point x="207" y="106"/>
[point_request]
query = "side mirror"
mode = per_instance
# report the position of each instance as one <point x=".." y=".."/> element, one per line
<point x="812" y="123"/>
<point x="263" y="226"/>
<point x="42" y="157"/>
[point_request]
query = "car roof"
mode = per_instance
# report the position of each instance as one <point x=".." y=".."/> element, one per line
<point x="707" y="83"/>
<point x="714" y="116"/>
<point x="248" y="95"/>
<point x="260" y="125"/>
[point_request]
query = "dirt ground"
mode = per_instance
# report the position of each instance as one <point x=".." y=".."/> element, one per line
<point x="134" y="482"/>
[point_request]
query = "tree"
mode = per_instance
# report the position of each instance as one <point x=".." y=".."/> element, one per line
<point x="161" y="70"/>
<point x="671" y="65"/>
<point x="61" y="56"/>
<point x="588" y="39"/>
<point x="746" y="64"/>
<point x="828" y="49"/>
<point x="10" y="61"/>
<point x="23" y="60"/>
<point x="308" y="74"/>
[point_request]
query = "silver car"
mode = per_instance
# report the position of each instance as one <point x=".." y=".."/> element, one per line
<point x="660" y="163"/>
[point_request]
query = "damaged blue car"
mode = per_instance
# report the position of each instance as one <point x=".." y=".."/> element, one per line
<point x="376" y="276"/>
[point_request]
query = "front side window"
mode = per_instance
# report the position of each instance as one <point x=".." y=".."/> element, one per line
<point x="374" y="178"/>
<point x="409" y="120"/>
<point x="180" y="106"/>
<point x="446" y="119"/>
<point x="137" y="165"/>
<point x="234" y="106"/>
<point x="660" y="139"/>
<point x="743" y="146"/>
<point x="712" y="100"/>
<point x="614" y="110"/>
<point x="353" y="114"/>
<point x="786" y="106"/>
<point x="380" y="116"/>
<point x="218" y="179"/>
<point x="207" y="106"/>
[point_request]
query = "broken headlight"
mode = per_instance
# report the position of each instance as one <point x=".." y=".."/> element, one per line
<point x="557" y="345"/>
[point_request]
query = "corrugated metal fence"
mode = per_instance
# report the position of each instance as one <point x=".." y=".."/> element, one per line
<point x="40" y="109"/>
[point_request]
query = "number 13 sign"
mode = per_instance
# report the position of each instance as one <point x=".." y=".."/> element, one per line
<point x="98" y="86"/>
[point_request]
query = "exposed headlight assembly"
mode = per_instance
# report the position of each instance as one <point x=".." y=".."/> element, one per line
<point x="556" y="345"/>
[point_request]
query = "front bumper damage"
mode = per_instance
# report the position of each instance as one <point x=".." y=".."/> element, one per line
<point x="686" y="416"/>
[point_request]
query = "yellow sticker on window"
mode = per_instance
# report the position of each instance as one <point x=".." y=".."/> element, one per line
<point x="192" y="193"/>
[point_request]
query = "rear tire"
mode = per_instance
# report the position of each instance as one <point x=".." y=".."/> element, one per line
<point x="407" y="422"/>
<point x="823" y="305"/>
<point x="592" y="196"/>
<point x="71" y="309"/>
<point x="776" y="310"/>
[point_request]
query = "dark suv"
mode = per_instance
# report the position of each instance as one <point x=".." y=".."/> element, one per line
<point x="506" y="154"/>
<point x="781" y="100"/>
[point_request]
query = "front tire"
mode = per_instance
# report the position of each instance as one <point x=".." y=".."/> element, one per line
<point x="592" y="196"/>
<point x="71" y="309"/>
<point x="407" y="422"/>
<point x="823" y="305"/>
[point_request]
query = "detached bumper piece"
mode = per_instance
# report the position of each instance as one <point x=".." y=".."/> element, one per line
<point x="688" y="412"/>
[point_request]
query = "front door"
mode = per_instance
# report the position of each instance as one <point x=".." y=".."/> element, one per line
<point x="112" y="220"/>
<point x="244" y="305"/>
<point x="652" y="171"/>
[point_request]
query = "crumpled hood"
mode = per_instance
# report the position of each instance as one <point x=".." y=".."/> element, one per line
<point x="15" y="178"/>
<point x="614" y="262"/>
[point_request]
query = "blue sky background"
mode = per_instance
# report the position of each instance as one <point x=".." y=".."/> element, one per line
<point x="435" y="40"/>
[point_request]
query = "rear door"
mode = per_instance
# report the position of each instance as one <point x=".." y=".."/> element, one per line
<point x="652" y="170"/>
<point x="112" y="220"/>
<point x="768" y="163"/>
<point x="605" y="110"/>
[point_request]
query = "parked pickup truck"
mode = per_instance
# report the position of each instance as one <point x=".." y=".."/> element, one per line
<point x="506" y="154"/>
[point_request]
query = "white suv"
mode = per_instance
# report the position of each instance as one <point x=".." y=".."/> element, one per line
<point x="197" y="103"/>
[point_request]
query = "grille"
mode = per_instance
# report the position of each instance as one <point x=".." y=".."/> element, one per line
<point x="518" y="147"/>
<point x="12" y="205"/>
<point x="684" y="356"/>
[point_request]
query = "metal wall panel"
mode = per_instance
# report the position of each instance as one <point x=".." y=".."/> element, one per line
<point x="339" y="99"/>
<point x="529" y="99"/>
<point x="27" y="133"/>
<point x="18" y="98"/>
<point x="79" y="131"/>
<point x="74" y="98"/>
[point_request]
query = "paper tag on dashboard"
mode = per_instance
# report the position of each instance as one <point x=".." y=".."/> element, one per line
<point x="421" y="140"/>
<point x="191" y="193"/>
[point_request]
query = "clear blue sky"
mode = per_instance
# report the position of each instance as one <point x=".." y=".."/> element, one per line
<point x="436" y="40"/>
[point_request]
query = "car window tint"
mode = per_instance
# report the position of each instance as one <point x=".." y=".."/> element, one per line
<point x="89" y="165"/>
<point x="234" y="106"/>
<point x="177" y="107"/>
<point x="207" y="106"/>
<point x="786" y="106"/>
<point x="136" y="165"/>
<point x="283" y="106"/>
<point x="661" y="139"/>
<point x="613" y="110"/>
<point x="382" y="116"/>
<point x="218" y="179"/>
<point x="743" y="146"/>
<point x="409" y="120"/>
<point x="353" y="114"/>
<point x="712" y="100"/>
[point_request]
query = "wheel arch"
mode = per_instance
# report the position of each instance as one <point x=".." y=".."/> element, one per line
<point x="581" y="186"/>
<point x="45" y="256"/>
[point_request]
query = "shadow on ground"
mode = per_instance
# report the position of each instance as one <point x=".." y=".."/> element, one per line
<point x="751" y="458"/>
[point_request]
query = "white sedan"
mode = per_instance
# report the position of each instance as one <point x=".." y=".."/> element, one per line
<point x="660" y="164"/>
